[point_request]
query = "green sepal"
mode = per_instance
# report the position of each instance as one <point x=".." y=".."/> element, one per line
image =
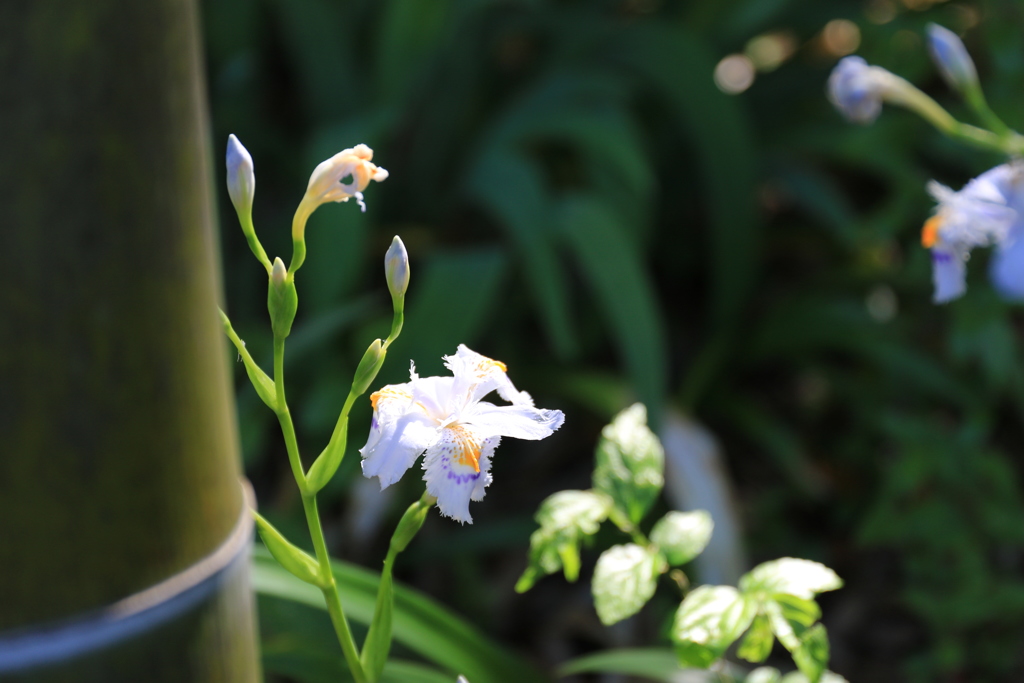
<point x="282" y="302"/>
<point x="327" y="463"/>
<point x="292" y="558"/>
<point x="261" y="382"/>
<point x="378" y="638"/>
<point x="368" y="367"/>
<point x="411" y="523"/>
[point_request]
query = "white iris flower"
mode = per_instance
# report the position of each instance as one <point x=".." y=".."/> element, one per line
<point x="446" y="418"/>
<point x="982" y="213"/>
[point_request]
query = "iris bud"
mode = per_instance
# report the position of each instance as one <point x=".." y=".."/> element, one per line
<point x="241" y="178"/>
<point x="950" y="55"/>
<point x="396" y="268"/>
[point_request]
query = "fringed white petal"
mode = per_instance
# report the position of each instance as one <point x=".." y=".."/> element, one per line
<point x="516" y="421"/>
<point x="457" y="469"/>
<point x="396" y="448"/>
<point x="477" y="375"/>
<point x="399" y="432"/>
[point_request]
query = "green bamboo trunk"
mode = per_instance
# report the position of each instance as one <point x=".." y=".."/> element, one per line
<point x="119" y="457"/>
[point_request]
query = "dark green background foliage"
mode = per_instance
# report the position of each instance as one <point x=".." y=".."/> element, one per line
<point x="580" y="201"/>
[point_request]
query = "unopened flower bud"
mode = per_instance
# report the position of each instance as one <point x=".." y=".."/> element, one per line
<point x="282" y="299"/>
<point x="241" y="179"/>
<point x="950" y="55"/>
<point x="854" y="89"/>
<point x="396" y="268"/>
<point x="368" y="367"/>
<point x="278" y="274"/>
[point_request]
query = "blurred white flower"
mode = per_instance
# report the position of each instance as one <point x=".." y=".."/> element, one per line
<point x="982" y="213"/>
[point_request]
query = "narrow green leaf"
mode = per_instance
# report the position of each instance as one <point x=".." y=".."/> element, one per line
<point x="525" y="215"/>
<point x="656" y="663"/>
<point x="419" y="623"/>
<point x="682" y="536"/>
<point x="802" y="578"/>
<point x="565" y="518"/>
<point x="616" y="272"/>
<point x="327" y="463"/>
<point x="292" y="558"/>
<point x="397" y="671"/>
<point x="708" y="621"/>
<point x="624" y="580"/>
<point x="757" y="644"/>
<point x="630" y="464"/>
<point x="449" y="302"/>
<point x="378" y="639"/>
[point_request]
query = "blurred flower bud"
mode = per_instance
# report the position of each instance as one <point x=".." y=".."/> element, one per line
<point x="855" y="90"/>
<point x="950" y="55"/>
<point x="368" y="367"/>
<point x="241" y="179"/>
<point x="278" y="274"/>
<point x="396" y="268"/>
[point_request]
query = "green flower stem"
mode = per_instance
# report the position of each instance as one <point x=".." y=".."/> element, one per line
<point x="254" y="244"/>
<point x="396" y="326"/>
<point x="1007" y="141"/>
<point x="378" y="639"/>
<point x="284" y="416"/>
<point x="976" y="100"/>
<point x="330" y="589"/>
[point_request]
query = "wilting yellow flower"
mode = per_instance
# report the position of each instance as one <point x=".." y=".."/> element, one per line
<point x="343" y="176"/>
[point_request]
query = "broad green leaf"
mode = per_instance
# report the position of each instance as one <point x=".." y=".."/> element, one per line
<point x="420" y="624"/>
<point x="802" y="578"/>
<point x="827" y="677"/>
<point x="565" y="518"/>
<point x="682" y="536"/>
<point x="624" y="580"/>
<point x="763" y="674"/>
<point x="812" y="655"/>
<point x="708" y="621"/>
<point x="791" y="620"/>
<point x="630" y="464"/>
<point x="623" y="289"/>
<point x="757" y="644"/>
<point x="797" y="611"/>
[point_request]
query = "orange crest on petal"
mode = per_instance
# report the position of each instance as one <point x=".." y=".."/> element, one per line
<point x="465" y="449"/>
<point x="930" y="232"/>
